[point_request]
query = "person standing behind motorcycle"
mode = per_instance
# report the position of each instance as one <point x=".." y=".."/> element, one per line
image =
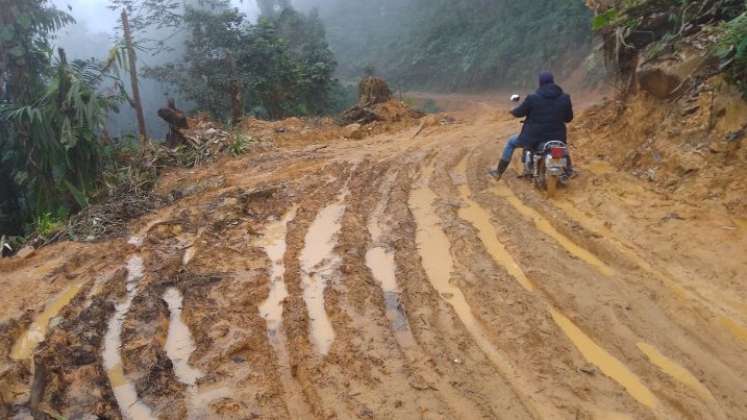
<point x="547" y="111"/>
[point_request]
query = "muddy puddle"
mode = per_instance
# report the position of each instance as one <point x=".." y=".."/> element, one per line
<point x="608" y="364"/>
<point x="480" y="219"/>
<point x="381" y="263"/>
<point x="179" y="344"/>
<point x="675" y="370"/>
<point x="24" y="347"/>
<point x="124" y="391"/>
<point x="273" y="242"/>
<point x="380" y="260"/>
<point x="592" y="352"/>
<point x="435" y="251"/>
<point x="319" y="264"/>
<point x="544" y="225"/>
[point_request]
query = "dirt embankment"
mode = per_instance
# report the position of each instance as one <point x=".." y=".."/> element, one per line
<point x="679" y="120"/>
<point x="693" y="148"/>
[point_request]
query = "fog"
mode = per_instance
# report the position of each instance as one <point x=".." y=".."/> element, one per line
<point x="95" y="15"/>
<point x="92" y="36"/>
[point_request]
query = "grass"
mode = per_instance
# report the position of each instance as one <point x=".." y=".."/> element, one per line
<point x="47" y="224"/>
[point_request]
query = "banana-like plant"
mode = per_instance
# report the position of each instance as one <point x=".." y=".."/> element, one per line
<point x="55" y="140"/>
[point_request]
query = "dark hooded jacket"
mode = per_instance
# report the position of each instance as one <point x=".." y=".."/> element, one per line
<point x="546" y="111"/>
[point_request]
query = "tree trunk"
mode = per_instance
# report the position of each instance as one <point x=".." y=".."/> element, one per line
<point x="237" y="107"/>
<point x="133" y="78"/>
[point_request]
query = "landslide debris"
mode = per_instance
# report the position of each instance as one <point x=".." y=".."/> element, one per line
<point x="375" y="103"/>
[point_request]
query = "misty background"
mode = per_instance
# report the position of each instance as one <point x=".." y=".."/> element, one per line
<point x="427" y="45"/>
<point x="94" y="34"/>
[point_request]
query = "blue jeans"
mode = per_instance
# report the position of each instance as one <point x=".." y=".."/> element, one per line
<point x="508" y="150"/>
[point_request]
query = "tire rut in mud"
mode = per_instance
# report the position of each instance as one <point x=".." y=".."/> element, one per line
<point x="620" y="316"/>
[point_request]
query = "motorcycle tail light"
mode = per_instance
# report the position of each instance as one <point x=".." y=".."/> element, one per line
<point x="557" y="152"/>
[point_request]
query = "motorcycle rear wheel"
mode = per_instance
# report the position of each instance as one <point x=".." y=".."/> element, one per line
<point x="551" y="184"/>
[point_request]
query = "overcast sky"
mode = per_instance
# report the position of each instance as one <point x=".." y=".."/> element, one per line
<point x="98" y="18"/>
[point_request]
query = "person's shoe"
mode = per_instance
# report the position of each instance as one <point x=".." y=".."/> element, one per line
<point x="497" y="173"/>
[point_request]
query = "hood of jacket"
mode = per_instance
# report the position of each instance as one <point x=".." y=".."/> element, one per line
<point x="550" y="91"/>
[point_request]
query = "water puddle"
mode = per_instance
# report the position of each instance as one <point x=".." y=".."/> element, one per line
<point x="671" y="368"/>
<point x="382" y="265"/>
<point x="24" y="347"/>
<point x="613" y="368"/>
<point x="607" y="363"/>
<point x="480" y="219"/>
<point x="179" y="344"/>
<point x="318" y="265"/>
<point x="435" y="252"/>
<point x="273" y="242"/>
<point x="124" y="391"/>
<point x="544" y="225"/>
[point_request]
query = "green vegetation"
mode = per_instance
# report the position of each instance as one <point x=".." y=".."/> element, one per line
<point x="239" y="145"/>
<point x="51" y="116"/>
<point x="457" y="44"/>
<point x="733" y="49"/>
<point x="654" y="27"/>
<point x="278" y="67"/>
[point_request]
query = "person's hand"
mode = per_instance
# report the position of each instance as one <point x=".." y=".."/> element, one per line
<point x="515" y="98"/>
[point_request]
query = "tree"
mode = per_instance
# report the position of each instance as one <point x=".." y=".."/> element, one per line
<point x="137" y="103"/>
<point x="278" y="67"/>
<point x="457" y="44"/>
<point x="51" y="115"/>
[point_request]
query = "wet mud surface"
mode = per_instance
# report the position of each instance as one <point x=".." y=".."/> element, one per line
<point x="387" y="278"/>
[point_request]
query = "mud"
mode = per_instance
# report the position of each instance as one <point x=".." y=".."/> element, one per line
<point x="318" y="265"/>
<point x="124" y="389"/>
<point x="390" y="278"/>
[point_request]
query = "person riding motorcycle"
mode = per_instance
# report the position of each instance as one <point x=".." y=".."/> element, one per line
<point x="547" y="111"/>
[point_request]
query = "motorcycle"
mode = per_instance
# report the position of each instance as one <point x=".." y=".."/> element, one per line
<point x="548" y="165"/>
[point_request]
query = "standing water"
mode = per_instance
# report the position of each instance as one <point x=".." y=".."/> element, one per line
<point x="179" y="343"/>
<point x="24" y="346"/>
<point x="380" y="260"/>
<point x="124" y="391"/>
<point x="274" y="245"/>
<point x="318" y="264"/>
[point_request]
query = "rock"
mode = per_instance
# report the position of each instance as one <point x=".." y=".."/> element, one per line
<point x="26" y="252"/>
<point x="658" y="82"/>
<point x="353" y="131"/>
<point x="589" y="370"/>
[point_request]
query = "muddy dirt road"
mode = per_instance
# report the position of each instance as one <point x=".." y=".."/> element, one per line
<point x="388" y="278"/>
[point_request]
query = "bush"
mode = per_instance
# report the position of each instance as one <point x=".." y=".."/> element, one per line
<point x="732" y="48"/>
